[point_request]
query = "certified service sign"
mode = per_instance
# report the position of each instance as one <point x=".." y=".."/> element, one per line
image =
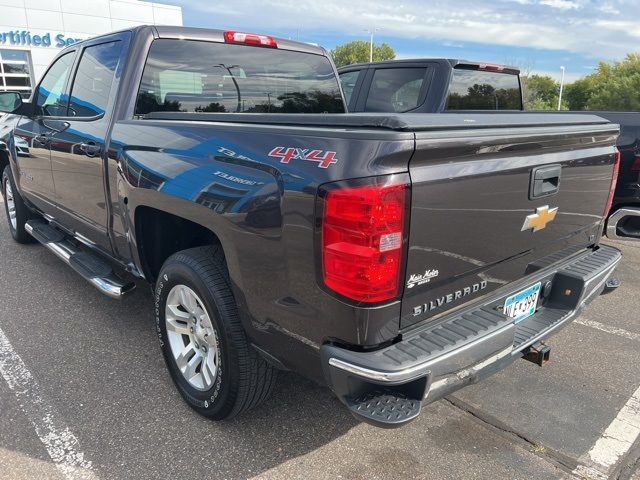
<point x="24" y="38"/>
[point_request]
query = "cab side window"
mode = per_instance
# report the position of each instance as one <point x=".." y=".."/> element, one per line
<point x="348" y="83"/>
<point x="395" y="90"/>
<point x="50" y="98"/>
<point x="94" y="79"/>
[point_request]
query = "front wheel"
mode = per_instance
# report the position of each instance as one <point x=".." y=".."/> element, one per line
<point x="204" y="345"/>
<point x="15" y="208"/>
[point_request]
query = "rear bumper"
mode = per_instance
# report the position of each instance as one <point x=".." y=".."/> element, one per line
<point x="623" y="224"/>
<point x="462" y="348"/>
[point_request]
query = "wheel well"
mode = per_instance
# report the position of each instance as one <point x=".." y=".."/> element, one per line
<point x="160" y="234"/>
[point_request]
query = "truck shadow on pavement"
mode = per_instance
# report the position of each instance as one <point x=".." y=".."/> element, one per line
<point x="98" y="364"/>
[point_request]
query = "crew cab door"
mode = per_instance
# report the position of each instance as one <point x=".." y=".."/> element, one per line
<point x="393" y="89"/>
<point x="78" y="153"/>
<point x="36" y="131"/>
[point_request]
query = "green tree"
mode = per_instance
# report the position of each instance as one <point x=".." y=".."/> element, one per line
<point x="611" y="87"/>
<point x="541" y="92"/>
<point x="358" y="52"/>
<point x="577" y="94"/>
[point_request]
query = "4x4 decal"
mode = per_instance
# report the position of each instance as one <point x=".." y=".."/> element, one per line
<point x="286" y="154"/>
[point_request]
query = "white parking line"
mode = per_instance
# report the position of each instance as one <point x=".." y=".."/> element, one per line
<point x="615" y="442"/>
<point x="62" y="446"/>
<point x="608" y="329"/>
<point x="622" y="433"/>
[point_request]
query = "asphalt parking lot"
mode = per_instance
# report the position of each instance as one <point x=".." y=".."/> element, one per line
<point x="84" y="394"/>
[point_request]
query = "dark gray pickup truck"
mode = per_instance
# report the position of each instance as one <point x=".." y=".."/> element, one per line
<point x="394" y="258"/>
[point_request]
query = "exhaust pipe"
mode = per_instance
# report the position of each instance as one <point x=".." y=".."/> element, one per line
<point x="624" y="224"/>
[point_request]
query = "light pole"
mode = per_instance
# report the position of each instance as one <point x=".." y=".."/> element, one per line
<point x="235" y="83"/>
<point x="371" y="31"/>
<point x="561" y="87"/>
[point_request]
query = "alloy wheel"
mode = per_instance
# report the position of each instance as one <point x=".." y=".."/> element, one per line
<point x="192" y="337"/>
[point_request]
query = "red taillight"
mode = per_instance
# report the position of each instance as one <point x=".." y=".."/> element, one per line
<point x="614" y="181"/>
<point x="635" y="167"/>
<point x="250" y="39"/>
<point x="490" y="67"/>
<point x="363" y="229"/>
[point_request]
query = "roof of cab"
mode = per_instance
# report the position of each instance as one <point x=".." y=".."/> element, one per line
<point x="208" y="35"/>
<point x="212" y="35"/>
<point x="453" y="62"/>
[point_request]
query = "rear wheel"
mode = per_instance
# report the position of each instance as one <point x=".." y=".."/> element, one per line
<point x="204" y="345"/>
<point x="17" y="212"/>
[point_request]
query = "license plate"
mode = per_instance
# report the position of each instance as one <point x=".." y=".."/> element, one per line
<point x="522" y="304"/>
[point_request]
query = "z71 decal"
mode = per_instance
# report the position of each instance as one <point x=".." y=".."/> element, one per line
<point x="286" y="154"/>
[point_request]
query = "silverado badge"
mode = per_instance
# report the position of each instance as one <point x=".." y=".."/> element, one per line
<point x="538" y="221"/>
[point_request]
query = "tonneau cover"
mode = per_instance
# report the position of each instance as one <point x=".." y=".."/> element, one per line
<point x="398" y="122"/>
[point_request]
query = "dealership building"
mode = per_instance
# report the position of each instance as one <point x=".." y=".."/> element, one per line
<point x="32" y="32"/>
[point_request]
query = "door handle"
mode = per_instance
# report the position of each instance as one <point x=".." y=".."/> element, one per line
<point x="90" y="149"/>
<point x="545" y="181"/>
<point x="42" y="139"/>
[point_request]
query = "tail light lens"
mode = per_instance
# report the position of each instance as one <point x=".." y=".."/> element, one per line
<point x="614" y="182"/>
<point x="491" y="67"/>
<point x="250" y="39"/>
<point x="635" y="167"/>
<point x="363" y="238"/>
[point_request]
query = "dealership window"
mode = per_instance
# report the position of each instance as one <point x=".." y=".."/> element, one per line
<point x="15" y="72"/>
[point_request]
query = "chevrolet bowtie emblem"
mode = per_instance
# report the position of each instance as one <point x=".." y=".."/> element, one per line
<point x="538" y="221"/>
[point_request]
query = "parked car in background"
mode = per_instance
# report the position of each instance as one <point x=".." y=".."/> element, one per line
<point x="442" y="85"/>
<point x="624" y="220"/>
<point x="432" y="85"/>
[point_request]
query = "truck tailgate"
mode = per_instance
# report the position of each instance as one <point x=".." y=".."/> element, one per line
<point x="479" y="194"/>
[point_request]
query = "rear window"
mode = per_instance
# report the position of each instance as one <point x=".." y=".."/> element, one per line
<point x="481" y="90"/>
<point x="395" y="89"/>
<point x="196" y="76"/>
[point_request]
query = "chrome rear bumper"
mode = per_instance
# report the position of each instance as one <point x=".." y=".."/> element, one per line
<point x="618" y="225"/>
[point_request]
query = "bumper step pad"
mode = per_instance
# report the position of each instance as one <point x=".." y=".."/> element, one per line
<point x="384" y="408"/>
<point x="575" y="277"/>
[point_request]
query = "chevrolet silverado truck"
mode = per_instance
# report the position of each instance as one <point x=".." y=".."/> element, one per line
<point x="393" y="258"/>
<point x="436" y="85"/>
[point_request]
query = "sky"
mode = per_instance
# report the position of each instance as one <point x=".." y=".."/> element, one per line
<point x="534" y="35"/>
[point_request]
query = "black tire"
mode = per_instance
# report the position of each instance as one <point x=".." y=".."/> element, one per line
<point x="244" y="379"/>
<point x="22" y="213"/>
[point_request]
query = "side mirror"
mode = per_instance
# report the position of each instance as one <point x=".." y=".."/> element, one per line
<point x="10" y="102"/>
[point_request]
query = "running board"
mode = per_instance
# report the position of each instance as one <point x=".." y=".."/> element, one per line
<point x="92" y="268"/>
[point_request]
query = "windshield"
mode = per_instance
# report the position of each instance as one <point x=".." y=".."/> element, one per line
<point x="196" y="76"/>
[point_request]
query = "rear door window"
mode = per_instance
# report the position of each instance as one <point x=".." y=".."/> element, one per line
<point x="197" y="76"/>
<point x="482" y="90"/>
<point x="94" y="79"/>
<point x="396" y="89"/>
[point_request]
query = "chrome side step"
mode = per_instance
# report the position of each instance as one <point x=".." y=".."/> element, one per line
<point x="92" y="268"/>
<point x="624" y="224"/>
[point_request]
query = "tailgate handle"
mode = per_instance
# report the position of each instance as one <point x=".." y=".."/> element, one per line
<point x="545" y="181"/>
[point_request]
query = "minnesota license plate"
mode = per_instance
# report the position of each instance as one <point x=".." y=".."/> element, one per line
<point x="522" y="304"/>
